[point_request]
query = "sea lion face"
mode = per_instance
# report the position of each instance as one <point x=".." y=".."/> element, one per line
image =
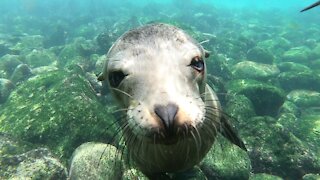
<point x="157" y="74"/>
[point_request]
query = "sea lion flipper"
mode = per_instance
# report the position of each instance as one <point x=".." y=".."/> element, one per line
<point x="311" y="6"/>
<point x="229" y="132"/>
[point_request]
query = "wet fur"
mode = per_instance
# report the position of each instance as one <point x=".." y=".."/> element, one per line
<point x="155" y="48"/>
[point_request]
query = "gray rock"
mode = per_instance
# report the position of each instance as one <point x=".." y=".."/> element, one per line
<point x="264" y="176"/>
<point x="226" y="161"/>
<point x="265" y="97"/>
<point x="311" y="177"/>
<point x="96" y="161"/>
<point x="276" y="45"/>
<point x="19" y="161"/>
<point x="260" y="55"/>
<point x="294" y="67"/>
<point x="240" y="107"/>
<point x="273" y="148"/>
<point x="8" y="64"/>
<point x="253" y="70"/>
<point x="303" y="80"/>
<point x="316" y="52"/>
<point x="297" y="54"/>
<point x="133" y="174"/>
<point x="37" y="58"/>
<point x="304" y="98"/>
<point x="43" y="69"/>
<point x="42" y="108"/>
<point x="21" y="73"/>
<point x="6" y="87"/>
<point x="28" y="43"/>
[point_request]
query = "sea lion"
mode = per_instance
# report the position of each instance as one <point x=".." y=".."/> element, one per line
<point x="157" y="74"/>
<point x="311" y="6"/>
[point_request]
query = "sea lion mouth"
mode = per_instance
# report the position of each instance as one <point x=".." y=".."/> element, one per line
<point x="161" y="136"/>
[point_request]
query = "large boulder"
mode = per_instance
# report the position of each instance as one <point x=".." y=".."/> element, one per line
<point x="265" y="97"/>
<point x="260" y="55"/>
<point x="293" y="67"/>
<point x="6" y="87"/>
<point x="8" y="64"/>
<point x="274" y="149"/>
<point x="37" y="58"/>
<point x="299" y="80"/>
<point x="18" y="160"/>
<point x="297" y="54"/>
<point x="96" y="161"/>
<point x="219" y="163"/>
<point x="59" y="109"/>
<point x="253" y="70"/>
<point x="264" y="176"/>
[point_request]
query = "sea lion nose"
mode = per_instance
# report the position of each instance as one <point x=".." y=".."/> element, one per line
<point x="167" y="115"/>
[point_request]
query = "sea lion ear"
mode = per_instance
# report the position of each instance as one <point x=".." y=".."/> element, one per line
<point x="206" y="54"/>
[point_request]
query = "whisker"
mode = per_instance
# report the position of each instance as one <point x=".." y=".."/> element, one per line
<point x="123" y="92"/>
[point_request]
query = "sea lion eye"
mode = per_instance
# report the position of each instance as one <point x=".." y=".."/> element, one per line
<point x="115" y="78"/>
<point x="197" y="64"/>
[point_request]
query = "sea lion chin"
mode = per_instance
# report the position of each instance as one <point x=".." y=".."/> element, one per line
<point x="157" y="74"/>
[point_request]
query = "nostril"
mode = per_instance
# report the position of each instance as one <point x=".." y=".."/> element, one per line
<point x="167" y="114"/>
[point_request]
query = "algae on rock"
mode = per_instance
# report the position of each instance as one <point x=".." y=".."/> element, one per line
<point x="58" y="109"/>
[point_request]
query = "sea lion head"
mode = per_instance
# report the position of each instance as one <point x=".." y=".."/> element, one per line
<point x="157" y="74"/>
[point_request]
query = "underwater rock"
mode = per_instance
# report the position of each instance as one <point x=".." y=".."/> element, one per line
<point x="276" y="45"/>
<point x="19" y="161"/>
<point x="86" y="47"/>
<point x="42" y="108"/>
<point x="253" y="70"/>
<point x="316" y="52"/>
<point x="311" y="177"/>
<point x="96" y="161"/>
<point x="294" y="67"/>
<point x="28" y="44"/>
<point x="299" y="80"/>
<point x="274" y="149"/>
<point x="289" y="107"/>
<point x="297" y="54"/>
<point x="130" y="174"/>
<point x="56" y="38"/>
<point x="6" y="87"/>
<point x="260" y="55"/>
<point x="79" y="52"/>
<point x="96" y="85"/>
<point x="43" y="69"/>
<point x="219" y="163"/>
<point x="194" y="173"/>
<point x="21" y="73"/>
<point x="232" y="48"/>
<point x="100" y="62"/>
<point x="8" y="64"/>
<point x="69" y="53"/>
<point x="37" y="58"/>
<point x="105" y="40"/>
<point x="264" y="176"/>
<point x="265" y="98"/>
<point x="315" y="65"/>
<point x="239" y="107"/>
<point x="217" y="65"/>
<point x="304" y="98"/>
<point x="87" y="31"/>
<point x="4" y="48"/>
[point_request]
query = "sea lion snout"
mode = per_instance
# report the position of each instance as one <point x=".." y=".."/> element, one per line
<point x="167" y="115"/>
